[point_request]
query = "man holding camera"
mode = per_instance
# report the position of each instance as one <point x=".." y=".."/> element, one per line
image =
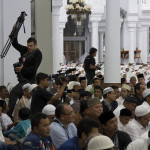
<point x="25" y="69"/>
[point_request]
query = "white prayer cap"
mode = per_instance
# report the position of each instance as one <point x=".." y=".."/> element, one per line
<point x="141" y="110"/>
<point x="107" y="90"/>
<point x="100" y="142"/>
<point x="76" y="83"/>
<point x="81" y="75"/>
<point x="97" y="71"/>
<point x="33" y="86"/>
<point x="146" y="93"/>
<point x="25" y="86"/>
<point x="125" y="86"/>
<point x="49" y="110"/>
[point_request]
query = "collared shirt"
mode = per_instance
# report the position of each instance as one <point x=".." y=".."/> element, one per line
<point x="120" y="100"/>
<point x="121" y="126"/>
<point x="135" y="129"/>
<point x="140" y="144"/>
<point x="59" y="133"/>
<point x="117" y="111"/>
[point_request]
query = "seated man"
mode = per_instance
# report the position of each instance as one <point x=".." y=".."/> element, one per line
<point x="62" y="129"/>
<point x="125" y="91"/>
<point x="22" y="102"/>
<point x="138" y="126"/>
<point x="20" y="130"/>
<point x="110" y="128"/>
<point x="109" y="99"/>
<point x="98" y="92"/>
<point x="129" y="103"/>
<point x="87" y="127"/>
<point x="38" y="138"/>
<point x="124" y="118"/>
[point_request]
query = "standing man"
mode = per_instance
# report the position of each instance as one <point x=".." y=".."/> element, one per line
<point x="25" y="69"/>
<point x="89" y="65"/>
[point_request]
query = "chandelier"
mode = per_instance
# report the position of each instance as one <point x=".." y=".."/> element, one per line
<point x="78" y="10"/>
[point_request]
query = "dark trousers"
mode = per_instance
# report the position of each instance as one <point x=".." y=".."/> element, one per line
<point x="89" y="77"/>
<point x="15" y="93"/>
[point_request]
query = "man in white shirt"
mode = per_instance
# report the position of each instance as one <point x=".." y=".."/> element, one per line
<point x="146" y="96"/>
<point x="138" y="126"/>
<point x="129" y="103"/>
<point x="124" y="118"/>
<point x="125" y="91"/>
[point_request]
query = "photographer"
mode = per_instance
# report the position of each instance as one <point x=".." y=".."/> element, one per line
<point x="25" y="69"/>
<point x="41" y="97"/>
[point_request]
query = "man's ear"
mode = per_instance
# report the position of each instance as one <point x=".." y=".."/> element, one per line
<point x="84" y="136"/>
<point x="36" y="129"/>
<point x="104" y="126"/>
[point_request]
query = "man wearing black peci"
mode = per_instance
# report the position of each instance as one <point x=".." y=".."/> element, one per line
<point x="25" y="69"/>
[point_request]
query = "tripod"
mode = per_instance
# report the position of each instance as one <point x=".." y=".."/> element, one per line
<point x="14" y="33"/>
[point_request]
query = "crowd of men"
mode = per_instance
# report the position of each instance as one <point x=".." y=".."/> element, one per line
<point x="82" y="114"/>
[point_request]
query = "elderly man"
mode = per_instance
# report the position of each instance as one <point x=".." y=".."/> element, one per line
<point x="125" y="91"/>
<point x="62" y="128"/>
<point x="138" y="126"/>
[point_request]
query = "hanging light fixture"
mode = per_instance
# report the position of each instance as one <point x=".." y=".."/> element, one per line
<point x="78" y="10"/>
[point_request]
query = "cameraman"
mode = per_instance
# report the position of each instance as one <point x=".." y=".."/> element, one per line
<point x="41" y="97"/>
<point x="25" y="69"/>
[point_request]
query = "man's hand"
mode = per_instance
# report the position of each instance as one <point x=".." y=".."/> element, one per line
<point x="18" y="69"/>
<point x="97" y="66"/>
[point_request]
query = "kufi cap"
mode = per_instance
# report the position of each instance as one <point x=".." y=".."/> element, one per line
<point x="140" y="76"/>
<point x="131" y="99"/>
<point x="76" y="83"/>
<point x="93" y="101"/>
<point x="49" y="110"/>
<point x="97" y="71"/>
<point x="25" y="86"/>
<point x="125" y="112"/>
<point x="125" y="86"/>
<point x="107" y="90"/>
<point x="106" y="116"/>
<point x="142" y="110"/>
<point x="33" y="86"/>
<point x="81" y="75"/>
<point x="146" y="93"/>
<point x="100" y="142"/>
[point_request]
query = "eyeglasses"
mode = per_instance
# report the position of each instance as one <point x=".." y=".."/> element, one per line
<point x="71" y="113"/>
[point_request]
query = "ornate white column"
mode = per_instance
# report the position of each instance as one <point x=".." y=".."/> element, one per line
<point x="56" y="5"/>
<point x="95" y="38"/>
<point x="132" y="42"/>
<point x="112" y="52"/>
<point x="61" y="38"/>
<point x="101" y="46"/>
<point x="1" y="44"/>
<point x="144" y="44"/>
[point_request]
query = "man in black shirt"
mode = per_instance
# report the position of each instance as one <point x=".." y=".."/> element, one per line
<point x="25" y="69"/>
<point x="41" y="97"/>
<point x="89" y="65"/>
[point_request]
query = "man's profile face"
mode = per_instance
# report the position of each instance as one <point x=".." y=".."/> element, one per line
<point x="43" y="128"/>
<point x="31" y="46"/>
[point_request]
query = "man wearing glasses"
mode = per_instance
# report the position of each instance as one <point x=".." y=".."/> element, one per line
<point x="62" y="129"/>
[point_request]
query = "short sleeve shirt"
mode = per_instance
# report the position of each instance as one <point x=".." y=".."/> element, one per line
<point x="40" y="98"/>
<point x="89" y="60"/>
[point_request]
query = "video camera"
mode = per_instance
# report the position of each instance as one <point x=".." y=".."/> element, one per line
<point x="64" y="76"/>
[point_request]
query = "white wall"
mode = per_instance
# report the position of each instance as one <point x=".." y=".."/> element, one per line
<point x="11" y="11"/>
